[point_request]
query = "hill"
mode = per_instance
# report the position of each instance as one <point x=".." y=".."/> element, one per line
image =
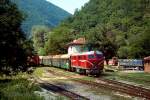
<point x="40" y="12"/>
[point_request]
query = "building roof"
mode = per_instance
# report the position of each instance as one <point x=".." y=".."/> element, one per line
<point x="147" y="58"/>
<point x="79" y="41"/>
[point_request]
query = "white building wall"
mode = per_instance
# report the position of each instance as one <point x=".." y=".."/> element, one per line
<point x="74" y="49"/>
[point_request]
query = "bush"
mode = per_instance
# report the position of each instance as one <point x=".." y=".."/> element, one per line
<point x="18" y="89"/>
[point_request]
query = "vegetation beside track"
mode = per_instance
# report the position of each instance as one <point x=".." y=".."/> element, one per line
<point x="18" y="88"/>
<point x="130" y="76"/>
<point x="140" y="78"/>
<point x="38" y="72"/>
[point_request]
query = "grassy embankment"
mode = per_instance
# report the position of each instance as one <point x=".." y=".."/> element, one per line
<point x="131" y="76"/>
<point x="18" y="88"/>
<point x="39" y="72"/>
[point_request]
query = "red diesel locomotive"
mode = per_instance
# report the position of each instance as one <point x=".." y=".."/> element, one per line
<point x="91" y="62"/>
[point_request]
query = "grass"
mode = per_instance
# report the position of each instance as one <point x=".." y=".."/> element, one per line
<point x="141" y="78"/>
<point x="39" y="71"/>
<point x="18" y="88"/>
<point x="136" y="77"/>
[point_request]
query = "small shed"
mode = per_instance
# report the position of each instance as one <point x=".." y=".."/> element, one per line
<point x="147" y="64"/>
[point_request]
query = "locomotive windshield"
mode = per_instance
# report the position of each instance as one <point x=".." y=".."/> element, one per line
<point x="99" y="56"/>
<point x="95" y="56"/>
<point x="91" y="56"/>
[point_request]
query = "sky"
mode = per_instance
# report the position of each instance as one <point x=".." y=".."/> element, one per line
<point x="69" y="5"/>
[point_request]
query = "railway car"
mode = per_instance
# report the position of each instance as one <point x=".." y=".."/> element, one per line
<point x="61" y="61"/>
<point x="33" y="60"/>
<point x="132" y="63"/>
<point x="45" y="60"/>
<point x="91" y="62"/>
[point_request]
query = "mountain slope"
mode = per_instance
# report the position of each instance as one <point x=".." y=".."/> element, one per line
<point x="116" y="27"/>
<point x="40" y="12"/>
<point x="125" y="23"/>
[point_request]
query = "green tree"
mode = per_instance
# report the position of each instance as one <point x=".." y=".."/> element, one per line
<point x="39" y="37"/>
<point x="128" y="21"/>
<point x="58" y="40"/>
<point x="99" y="39"/>
<point x="116" y="27"/>
<point x="12" y="39"/>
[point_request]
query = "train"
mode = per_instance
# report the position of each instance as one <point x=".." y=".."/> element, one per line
<point x="33" y="60"/>
<point x="88" y="63"/>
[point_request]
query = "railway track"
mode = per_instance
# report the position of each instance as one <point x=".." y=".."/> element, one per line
<point x="126" y="88"/>
<point x="126" y="85"/>
<point x="113" y="85"/>
<point x="46" y="85"/>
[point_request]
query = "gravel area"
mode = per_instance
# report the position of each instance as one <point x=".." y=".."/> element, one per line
<point x="49" y="95"/>
<point x="82" y="89"/>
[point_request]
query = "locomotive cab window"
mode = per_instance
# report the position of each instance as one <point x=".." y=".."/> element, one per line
<point x="99" y="56"/>
<point x="91" y="56"/>
<point x="80" y="57"/>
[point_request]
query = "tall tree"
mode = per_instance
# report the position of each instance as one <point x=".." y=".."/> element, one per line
<point x="58" y="40"/>
<point x="117" y="27"/>
<point x="101" y="39"/>
<point x="39" y="36"/>
<point x="12" y="54"/>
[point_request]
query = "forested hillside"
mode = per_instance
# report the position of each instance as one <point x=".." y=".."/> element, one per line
<point x="116" y="27"/>
<point x="40" y="12"/>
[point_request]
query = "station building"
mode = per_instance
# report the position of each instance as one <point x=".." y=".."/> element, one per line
<point x="147" y="64"/>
